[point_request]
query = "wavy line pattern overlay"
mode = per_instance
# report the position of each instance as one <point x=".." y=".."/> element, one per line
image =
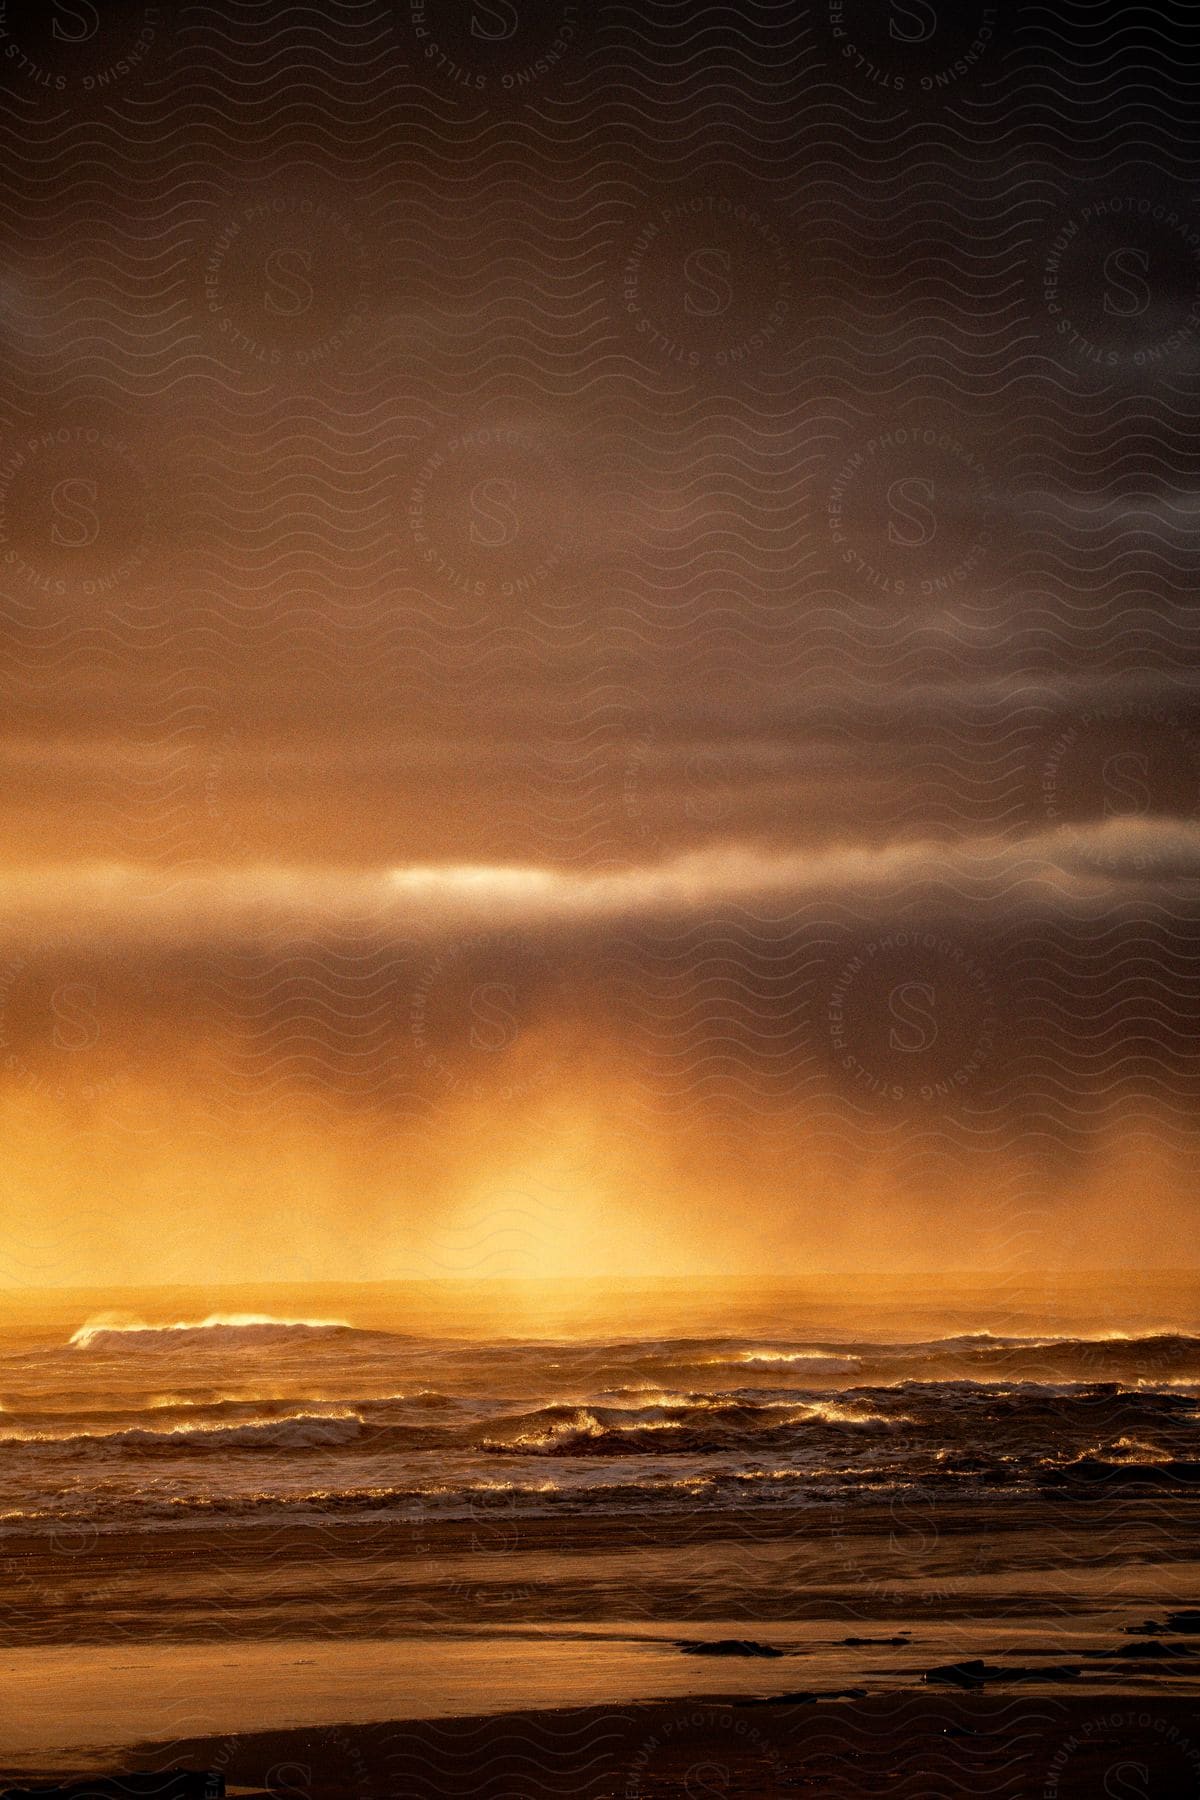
<point x="600" y="677"/>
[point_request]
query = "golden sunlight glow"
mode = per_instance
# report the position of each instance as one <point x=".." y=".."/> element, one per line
<point x="106" y="1325"/>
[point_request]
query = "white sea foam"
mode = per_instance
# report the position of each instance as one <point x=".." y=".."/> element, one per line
<point x="217" y="1331"/>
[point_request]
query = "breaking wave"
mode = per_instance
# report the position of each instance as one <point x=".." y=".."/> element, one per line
<point x="220" y="1331"/>
<point x="695" y="1426"/>
<point x="301" y="1431"/>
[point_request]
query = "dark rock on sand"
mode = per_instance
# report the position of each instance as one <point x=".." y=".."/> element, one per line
<point x="727" y="1647"/>
<point x="897" y="1643"/>
<point x="1136" y="1652"/>
<point x="976" y="1673"/>
<point x="1154" y="1628"/>
<point x="802" y="1698"/>
<point x="962" y="1674"/>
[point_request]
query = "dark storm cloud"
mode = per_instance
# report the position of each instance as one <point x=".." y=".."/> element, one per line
<point x="544" y="563"/>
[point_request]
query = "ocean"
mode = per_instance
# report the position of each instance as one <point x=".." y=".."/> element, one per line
<point x="159" y="1415"/>
<point x="419" y="1500"/>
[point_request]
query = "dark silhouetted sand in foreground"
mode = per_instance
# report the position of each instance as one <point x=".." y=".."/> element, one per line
<point x="951" y="1744"/>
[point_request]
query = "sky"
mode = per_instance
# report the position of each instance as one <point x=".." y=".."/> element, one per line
<point x="598" y="626"/>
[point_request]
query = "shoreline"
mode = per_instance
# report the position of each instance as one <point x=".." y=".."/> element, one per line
<point x="854" y="1511"/>
<point x="71" y="1708"/>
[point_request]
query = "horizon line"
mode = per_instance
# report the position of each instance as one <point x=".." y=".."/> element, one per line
<point x="616" y="1280"/>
